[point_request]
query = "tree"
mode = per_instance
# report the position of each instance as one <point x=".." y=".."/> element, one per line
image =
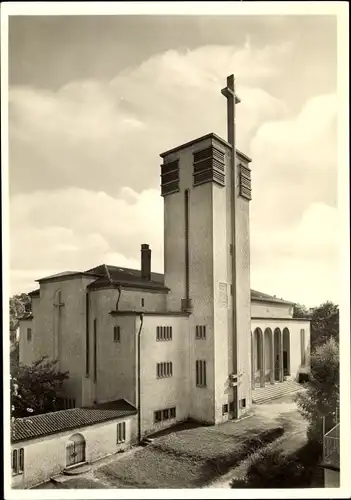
<point x="14" y="356"/>
<point x="301" y="311"/>
<point x="35" y="388"/>
<point x="18" y="305"/>
<point x="324" y="323"/>
<point x="321" y="397"/>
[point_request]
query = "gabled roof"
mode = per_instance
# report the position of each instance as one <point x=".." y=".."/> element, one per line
<point x="125" y="276"/>
<point x="26" y="428"/>
<point x="65" y="274"/>
<point x="264" y="297"/>
<point x="34" y="293"/>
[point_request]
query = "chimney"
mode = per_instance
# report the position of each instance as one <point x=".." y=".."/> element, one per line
<point x="145" y="262"/>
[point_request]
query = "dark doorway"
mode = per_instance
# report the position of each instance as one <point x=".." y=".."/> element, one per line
<point x="285" y="363"/>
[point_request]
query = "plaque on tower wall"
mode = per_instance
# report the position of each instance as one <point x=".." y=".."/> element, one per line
<point x="223" y="295"/>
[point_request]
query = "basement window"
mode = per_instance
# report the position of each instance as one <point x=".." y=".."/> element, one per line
<point x="116" y="334"/>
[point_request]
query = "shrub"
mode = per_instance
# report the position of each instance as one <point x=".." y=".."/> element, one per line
<point x="272" y="468"/>
<point x="304" y="377"/>
<point x="321" y="398"/>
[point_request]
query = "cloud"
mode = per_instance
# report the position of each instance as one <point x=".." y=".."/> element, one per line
<point x="299" y="262"/>
<point x="105" y="134"/>
<point x="84" y="166"/>
<point x="75" y="229"/>
<point x="295" y="162"/>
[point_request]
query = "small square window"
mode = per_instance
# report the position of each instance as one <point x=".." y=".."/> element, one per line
<point x="225" y="409"/>
<point x="172" y="413"/>
<point x="158" y="416"/>
<point x="165" y="414"/>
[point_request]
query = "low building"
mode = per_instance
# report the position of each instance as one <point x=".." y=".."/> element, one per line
<point x="43" y="446"/>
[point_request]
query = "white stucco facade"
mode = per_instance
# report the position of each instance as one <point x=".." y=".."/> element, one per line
<point x="91" y="325"/>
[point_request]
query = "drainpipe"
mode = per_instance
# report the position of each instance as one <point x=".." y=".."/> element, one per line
<point x="87" y="337"/>
<point x="119" y="295"/>
<point x="139" y="391"/>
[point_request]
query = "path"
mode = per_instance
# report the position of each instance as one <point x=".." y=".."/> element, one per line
<point x="294" y="437"/>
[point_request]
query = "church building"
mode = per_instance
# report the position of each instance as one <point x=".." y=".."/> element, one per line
<point x="195" y="342"/>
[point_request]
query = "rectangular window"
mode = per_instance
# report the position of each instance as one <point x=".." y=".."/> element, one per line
<point x="164" y="333"/>
<point x="200" y="332"/>
<point x="164" y="370"/>
<point x="18" y="461"/>
<point x="29" y="334"/>
<point x="243" y="403"/>
<point x="166" y="414"/>
<point x="142" y="302"/>
<point x="225" y="409"/>
<point x="201" y="373"/>
<point x="21" y="460"/>
<point x="121" y="432"/>
<point x="302" y="343"/>
<point x="116" y="334"/>
<point x="14" y="461"/>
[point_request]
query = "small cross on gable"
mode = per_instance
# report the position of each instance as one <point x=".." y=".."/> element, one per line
<point x="58" y="300"/>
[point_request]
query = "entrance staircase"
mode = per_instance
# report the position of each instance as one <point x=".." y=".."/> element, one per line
<point x="264" y="394"/>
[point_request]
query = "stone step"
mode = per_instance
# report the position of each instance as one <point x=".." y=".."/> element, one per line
<point x="263" y="394"/>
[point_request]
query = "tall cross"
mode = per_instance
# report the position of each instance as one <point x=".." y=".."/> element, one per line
<point x="229" y="93"/>
<point x="232" y="100"/>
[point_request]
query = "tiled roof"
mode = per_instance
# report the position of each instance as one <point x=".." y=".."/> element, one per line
<point x="264" y="297"/>
<point x="132" y="277"/>
<point x="64" y="420"/>
<point x="125" y="276"/>
<point x="65" y="274"/>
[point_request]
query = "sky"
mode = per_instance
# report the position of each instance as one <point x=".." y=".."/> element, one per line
<point x="94" y="100"/>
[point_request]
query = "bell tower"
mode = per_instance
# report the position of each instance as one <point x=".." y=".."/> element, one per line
<point x="206" y="186"/>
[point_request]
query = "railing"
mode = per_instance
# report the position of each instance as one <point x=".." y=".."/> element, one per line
<point x="331" y="446"/>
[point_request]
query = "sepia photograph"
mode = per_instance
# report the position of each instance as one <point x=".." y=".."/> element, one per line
<point x="176" y="244"/>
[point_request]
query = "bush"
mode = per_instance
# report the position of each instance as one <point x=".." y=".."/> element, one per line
<point x="272" y="468"/>
<point x="321" y="398"/>
<point x="304" y="377"/>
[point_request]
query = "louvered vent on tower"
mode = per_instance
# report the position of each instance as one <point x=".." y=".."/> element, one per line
<point x="170" y="178"/>
<point x="245" y="182"/>
<point x="209" y="166"/>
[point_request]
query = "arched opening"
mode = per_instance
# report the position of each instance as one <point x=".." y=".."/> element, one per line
<point x="257" y="354"/>
<point x="268" y="355"/>
<point x="277" y="354"/>
<point x="286" y="352"/>
<point x="75" y="450"/>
